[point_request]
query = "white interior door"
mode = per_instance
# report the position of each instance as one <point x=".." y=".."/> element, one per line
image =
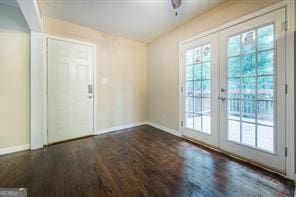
<point x="70" y="90"/>
<point x="253" y="86"/>
<point x="200" y="95"/>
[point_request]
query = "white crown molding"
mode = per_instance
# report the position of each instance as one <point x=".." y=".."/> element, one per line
<point x="31" y="12"/>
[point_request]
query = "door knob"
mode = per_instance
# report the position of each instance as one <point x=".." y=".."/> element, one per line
<point x="90" y="88"/>
<point x="90" y="91"/>
<point x="222" y="98"/>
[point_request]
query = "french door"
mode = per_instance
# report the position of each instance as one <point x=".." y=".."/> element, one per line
<point x="201" y="109"/>
<point x="250" y="93"/>
<point x="253" y="86"/>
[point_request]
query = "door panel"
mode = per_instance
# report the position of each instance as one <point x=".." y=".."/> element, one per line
<point x="200" y="90"/>
<point x="70" y="94"/>
<point x="234" y="99"/>
<point x="253" y="75"/>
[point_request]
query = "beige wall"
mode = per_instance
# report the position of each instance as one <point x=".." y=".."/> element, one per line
<point x="163" y="65"/>
<point x="14" y="78"/>
<point x="123" y="62"/>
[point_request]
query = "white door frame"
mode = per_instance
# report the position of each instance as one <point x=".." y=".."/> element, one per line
<point x="45" y="81"/>
<point x="290" y="112"/>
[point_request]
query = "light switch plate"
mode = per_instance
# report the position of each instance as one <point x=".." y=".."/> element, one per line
<point x="104" y="81"/>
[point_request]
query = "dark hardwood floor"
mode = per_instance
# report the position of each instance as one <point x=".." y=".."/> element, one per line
<point x="142" y="161"/>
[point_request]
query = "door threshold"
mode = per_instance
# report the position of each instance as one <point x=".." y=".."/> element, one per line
<point x="69" y="140"/>
<point x="237" y="157"/>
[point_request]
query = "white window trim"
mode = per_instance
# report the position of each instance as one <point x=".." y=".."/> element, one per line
<point x="290" y="112"/>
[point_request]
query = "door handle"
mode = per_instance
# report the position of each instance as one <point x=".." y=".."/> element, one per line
<point x="90" y="88"/>
<point x="90" y="91"/>
<point x="222" y="98"/>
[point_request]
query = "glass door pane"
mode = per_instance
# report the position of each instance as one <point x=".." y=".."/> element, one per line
<point x="252" y="95"/>
<point x="250" y="92"/>
<point x="198" y="90"/>
<point x="200" y="84"/>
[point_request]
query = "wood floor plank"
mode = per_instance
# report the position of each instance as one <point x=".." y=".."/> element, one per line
<point x="142" y="161"/>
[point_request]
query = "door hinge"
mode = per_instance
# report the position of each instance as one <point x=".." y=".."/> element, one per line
<point x="285" y="25"/>
<point x="181" y="88"/>
<point x="286" y="151"/>
<point x="182" y="123"/>
<point x="46" y="45"/>
<point x="286" y="88"/>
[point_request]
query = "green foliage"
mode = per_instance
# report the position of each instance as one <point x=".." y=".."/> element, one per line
<point x="249" y="64"/>
<point x="243" y="66"/>
<point x="265" y="37"/>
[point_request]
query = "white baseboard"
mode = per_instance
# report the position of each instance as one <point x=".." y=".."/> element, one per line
<point x="14" y="149"/>
<point x="121" y="127"/>
<point x="126" y="126"/>
<point x="166" y="129"/>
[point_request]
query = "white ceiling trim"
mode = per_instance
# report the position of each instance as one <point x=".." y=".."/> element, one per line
<point x="31" y="12"/>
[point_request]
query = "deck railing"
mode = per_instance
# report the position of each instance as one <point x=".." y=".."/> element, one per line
<point x="248" y="105"/>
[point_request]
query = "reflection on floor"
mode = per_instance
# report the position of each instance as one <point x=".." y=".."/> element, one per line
<point x="243" y="132"/>
<point x="142" y="161"/>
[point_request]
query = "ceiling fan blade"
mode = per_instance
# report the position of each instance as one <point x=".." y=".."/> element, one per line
<point x="176" y="3"/>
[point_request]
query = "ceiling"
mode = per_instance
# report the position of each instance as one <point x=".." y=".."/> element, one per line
<point x="12" y="3"/>
<point x="141" y="20"/>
